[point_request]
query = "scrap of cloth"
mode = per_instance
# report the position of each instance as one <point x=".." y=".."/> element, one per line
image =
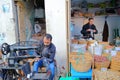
<point x="26" y="68"/>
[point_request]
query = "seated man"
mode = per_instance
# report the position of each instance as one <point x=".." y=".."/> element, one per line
<point x="47" y="52"/>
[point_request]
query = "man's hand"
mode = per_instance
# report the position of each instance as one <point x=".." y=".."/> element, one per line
<point x="94" y="30"/>
<point x="36" y="59"/>
<point x="91" y="30"/>
<point x="88" y="30"/>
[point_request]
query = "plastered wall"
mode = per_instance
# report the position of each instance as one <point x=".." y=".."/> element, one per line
<point x="7" y="22"/>
<point x="56" y="25"/>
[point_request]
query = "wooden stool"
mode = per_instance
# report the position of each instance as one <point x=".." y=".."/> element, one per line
<point x="40" y="76"/>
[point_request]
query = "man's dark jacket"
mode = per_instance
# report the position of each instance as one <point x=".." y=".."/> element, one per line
<point x="87" y="33"/>
<point x="49" y="53"/>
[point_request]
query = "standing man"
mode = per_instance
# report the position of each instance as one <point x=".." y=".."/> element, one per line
<point x="47" y="52"/>
<point x="89" y="29"/>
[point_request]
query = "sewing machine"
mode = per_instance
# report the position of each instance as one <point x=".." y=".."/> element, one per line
<point x="15" y="55"/>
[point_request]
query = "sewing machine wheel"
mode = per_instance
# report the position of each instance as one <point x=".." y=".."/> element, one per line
<point x="5" y="48"/>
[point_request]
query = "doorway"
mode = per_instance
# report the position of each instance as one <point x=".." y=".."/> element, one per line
<point x="30" y="19"/>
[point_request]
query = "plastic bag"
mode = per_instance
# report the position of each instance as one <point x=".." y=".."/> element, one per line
<point x="68" y="78"/>
<point x="65" y="78"/>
